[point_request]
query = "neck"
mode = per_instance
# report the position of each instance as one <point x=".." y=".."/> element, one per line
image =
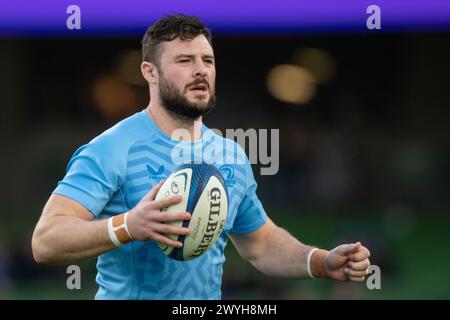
<point x="175" y="128"/>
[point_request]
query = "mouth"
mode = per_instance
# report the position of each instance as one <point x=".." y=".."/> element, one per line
<point x="199" y="88"/>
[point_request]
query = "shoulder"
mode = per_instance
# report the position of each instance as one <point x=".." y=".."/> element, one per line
<point x="117" y="140"/>
<point x="109" y="150"/>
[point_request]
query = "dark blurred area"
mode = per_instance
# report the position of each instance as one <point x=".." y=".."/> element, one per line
<point x="364" y="148"/>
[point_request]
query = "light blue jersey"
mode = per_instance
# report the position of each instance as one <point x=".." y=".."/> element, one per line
<point x="115" y="170"/>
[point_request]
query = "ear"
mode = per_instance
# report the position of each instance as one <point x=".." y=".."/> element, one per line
<point x="149" y="72"/>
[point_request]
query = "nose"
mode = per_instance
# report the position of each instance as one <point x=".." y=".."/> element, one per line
<point x="200" y="70"/>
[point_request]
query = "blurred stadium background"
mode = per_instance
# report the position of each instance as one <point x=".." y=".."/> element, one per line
<point x="364" y="134"/>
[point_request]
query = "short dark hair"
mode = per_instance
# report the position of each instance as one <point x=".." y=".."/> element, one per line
<point x="167" y="29"/>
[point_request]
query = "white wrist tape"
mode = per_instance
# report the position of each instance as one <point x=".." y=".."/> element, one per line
<point x="126" y="225"/>
<point x="308" y="263"/>
<point x="112" y="234"/>
<point x="118" y="230"/>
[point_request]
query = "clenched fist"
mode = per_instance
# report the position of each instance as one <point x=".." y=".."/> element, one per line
<point x="348" y="262"/>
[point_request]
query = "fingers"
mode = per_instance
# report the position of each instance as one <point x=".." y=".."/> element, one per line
<point x="166" y="202"/>
<point x="169" y="216"/>
<point x="359" y="266"/>
<point x="154" y="191"/>
<point x="166" y="241"/>
<point x="362" y="254"/>
<point x="357" y="271"/>
<point x="357" y="247"/>
<point x="355" y="274"/>
<point x="170" y="229"/>
<point x="356" y="279"/>
<point x="346" y="249"/>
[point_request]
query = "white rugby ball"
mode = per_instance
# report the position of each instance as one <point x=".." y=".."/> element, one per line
<point x="205" y="196"/>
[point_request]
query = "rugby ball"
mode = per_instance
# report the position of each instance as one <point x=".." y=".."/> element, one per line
<point x="205" y="196"/>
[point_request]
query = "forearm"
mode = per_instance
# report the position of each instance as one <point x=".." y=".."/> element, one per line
<point x="65" y="239"/>
<point x="283" y="256"/>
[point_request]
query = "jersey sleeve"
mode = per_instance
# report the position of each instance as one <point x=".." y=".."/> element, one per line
<point x="93" y="175"/>
<point x="251" y="214"/>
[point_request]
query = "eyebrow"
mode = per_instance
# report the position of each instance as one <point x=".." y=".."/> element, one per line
<point x="207" y="56"/>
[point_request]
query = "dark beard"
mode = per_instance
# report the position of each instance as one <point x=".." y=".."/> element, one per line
<point x="179" y="106"/>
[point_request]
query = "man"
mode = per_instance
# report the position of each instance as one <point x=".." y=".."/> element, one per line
<point x="114" y="179"/>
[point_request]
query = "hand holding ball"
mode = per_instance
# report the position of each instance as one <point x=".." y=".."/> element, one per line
<point x="204" y="195"/>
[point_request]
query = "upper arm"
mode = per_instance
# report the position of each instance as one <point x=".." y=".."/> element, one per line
<point x="58" y="205"/>
<point x="56" y="227"/>
<point x="251" y="245"/>
<point x="94" y="174"/>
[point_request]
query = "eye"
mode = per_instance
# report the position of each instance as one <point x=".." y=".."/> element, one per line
<point x="183" y="61"/>
<point x="209" y="61"/>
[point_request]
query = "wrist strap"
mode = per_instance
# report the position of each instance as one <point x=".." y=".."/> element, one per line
<point x="118" y="230"/>
<point x="315" y="263"/>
